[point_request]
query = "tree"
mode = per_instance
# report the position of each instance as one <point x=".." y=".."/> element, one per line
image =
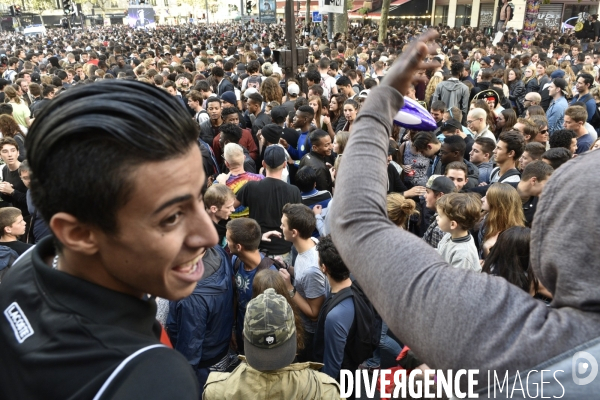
<point x="383" y="23"/>
<point x="308" y="19"/>
<point x="341" y="20"/>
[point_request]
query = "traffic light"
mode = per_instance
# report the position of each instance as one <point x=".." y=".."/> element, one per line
<point x="11" y="9"/>
<point x="67" y="7"/>
<point x="248" y="7"/>
<point x="18" y="10"/>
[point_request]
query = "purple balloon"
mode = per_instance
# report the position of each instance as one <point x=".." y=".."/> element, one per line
<point x="414" y="116"/>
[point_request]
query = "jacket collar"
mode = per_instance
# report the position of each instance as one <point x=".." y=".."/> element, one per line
<point x="86" y="299"/>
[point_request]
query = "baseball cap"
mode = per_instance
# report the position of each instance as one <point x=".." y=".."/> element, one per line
<point x="229" y="97"/>
<point x="486" y="60"/>
<point x="559" y="73"/>
<point x="293" y="89"/>
<point x="279" y="113"/>
<point x="451" y="125"/>
<point x="440" y="183"/>
<point x="249" y="91"/>
<point x="274" y="156"/>
<point x="560" y="83"/>
<point x="269" y="330"/>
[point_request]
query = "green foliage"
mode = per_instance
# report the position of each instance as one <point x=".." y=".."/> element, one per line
<point x="363" y="11"/>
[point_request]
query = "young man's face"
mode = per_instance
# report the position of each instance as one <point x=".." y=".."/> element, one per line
<point x="571" y="124"/>
<point x="25" y="178"/>
<point x="525" y="159"/>
<point x="18" y="227"/>
<point x="172" y="91"/>
<point x="437" y="115"/>
<point x="430" y="199"/>
<point x="9" y="154"/>
<point x="500" y="152"/>
<point x="232" y="119"/>
<point x="162" y="231"/>
<point x="225" y="211"/>
<point x="458" y="177"/>
<point x="477" y="156"/>
<point x="288" y="234"/>
<point x="193" y="104"/>
<point x="447" y="155"/>
<point x="214" y="110"/>
<point x="323" y="146"/>
<point x="573" y="145"/>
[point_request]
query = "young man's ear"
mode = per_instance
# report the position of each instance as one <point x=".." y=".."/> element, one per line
<point x="213" y="209"/>
<point x="453" y="225"/>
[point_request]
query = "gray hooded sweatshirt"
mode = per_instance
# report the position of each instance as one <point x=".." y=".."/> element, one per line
<point x="454" y="93"/>
<point x="458" y="319"/>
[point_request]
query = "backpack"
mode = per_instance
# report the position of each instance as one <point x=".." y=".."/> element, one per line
<point x="209" y="161"/>
<point x="512" y="11"/>
<point x="254" y="81"/>
<point x="7" y="258"/>
<point x="595" y="121"/>
<point x="365" y="332"/>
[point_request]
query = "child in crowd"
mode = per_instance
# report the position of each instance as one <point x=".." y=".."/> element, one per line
<point x="457" y="214"/>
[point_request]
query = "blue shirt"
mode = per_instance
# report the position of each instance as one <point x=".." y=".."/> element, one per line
<point x="303" y="147"/>
<point x="337" y="327"/>
<point x="243" y="286"/>
<point x="556" y="114"/>
<point x="584" y="143"/>
<point x="590" y="106"/>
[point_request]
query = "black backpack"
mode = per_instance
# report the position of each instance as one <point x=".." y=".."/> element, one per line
<point x="365" y="332"/>
<point x="512" y="11"/>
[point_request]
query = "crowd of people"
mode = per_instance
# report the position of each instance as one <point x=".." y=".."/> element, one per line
<point x="178" y="188"/>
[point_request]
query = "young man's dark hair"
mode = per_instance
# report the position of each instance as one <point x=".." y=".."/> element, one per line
<point x="48" y="89"/>
<point x="307" y="110"/>
<point x="218" y="72"/>
<point x="246" y="232"/>
<point x="314" y="76"/>
<point x="557" y="156"/>
<point x="343" y="81"/>
<point x="562" y="138"/>
<point x="370" y="83"/>
<point x="538" y="169"/>
<point x="535" y="150"/>
<point x="316" y="89"/>
<point x="306" y="179"/>
<point x="587" y="79"/>
<point x="253" y="67"/>
<point x="300" y="218"/>
<point x="457" y="69"/>
<point x="317" y="135"/>
<point x="202" y="86"/>
<point x="109" y="139"/>
<point x="6" y="108"/>
<point x="514" y="142"/>
<point x="230" y="133"/>
<point x="438" y="105"/>
<point x="255" y="98"/>
<point x="228" y="111"/>
<point x="456" y="144"/>
<point x="329" y="256"/>
<point x="422" y="139"/>
<point x="487" y="145"/>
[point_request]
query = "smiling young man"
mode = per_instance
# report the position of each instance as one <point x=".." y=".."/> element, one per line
<point x="133" y="227"/>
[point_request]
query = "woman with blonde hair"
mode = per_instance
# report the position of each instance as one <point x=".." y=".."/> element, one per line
<point x="530" y="80"/>
<point x="504" y="210"/>
<point x="339" y="142"/>
<point x="271" y="91"/>
<point x="400" y="209"/>
<point x="21" y="112"/>
<point x="271" y="279"/>
<point x="435" y="80"/>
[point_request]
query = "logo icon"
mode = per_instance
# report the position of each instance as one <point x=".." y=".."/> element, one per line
<point x="19" y="322"/>
<point x="270" y="339"/>
<point x="580" y="368"/>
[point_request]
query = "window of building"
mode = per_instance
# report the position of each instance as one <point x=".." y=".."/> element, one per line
<point x="441" y="15"/>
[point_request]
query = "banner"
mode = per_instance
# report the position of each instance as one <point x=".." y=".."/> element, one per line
<point x="140" y="17"/>
<point x="267" y="11"/>
<point x="331" y="6"/>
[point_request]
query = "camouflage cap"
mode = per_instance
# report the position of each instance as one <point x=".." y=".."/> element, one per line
<point x="269" y="332"/>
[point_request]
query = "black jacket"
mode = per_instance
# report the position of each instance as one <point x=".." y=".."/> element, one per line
<point x="317" y="162"/>
<point x="225" y="86"/>
<point x="65" y="336"/>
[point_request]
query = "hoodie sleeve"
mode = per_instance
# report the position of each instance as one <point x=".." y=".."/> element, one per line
<point x="451" y="318"/>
